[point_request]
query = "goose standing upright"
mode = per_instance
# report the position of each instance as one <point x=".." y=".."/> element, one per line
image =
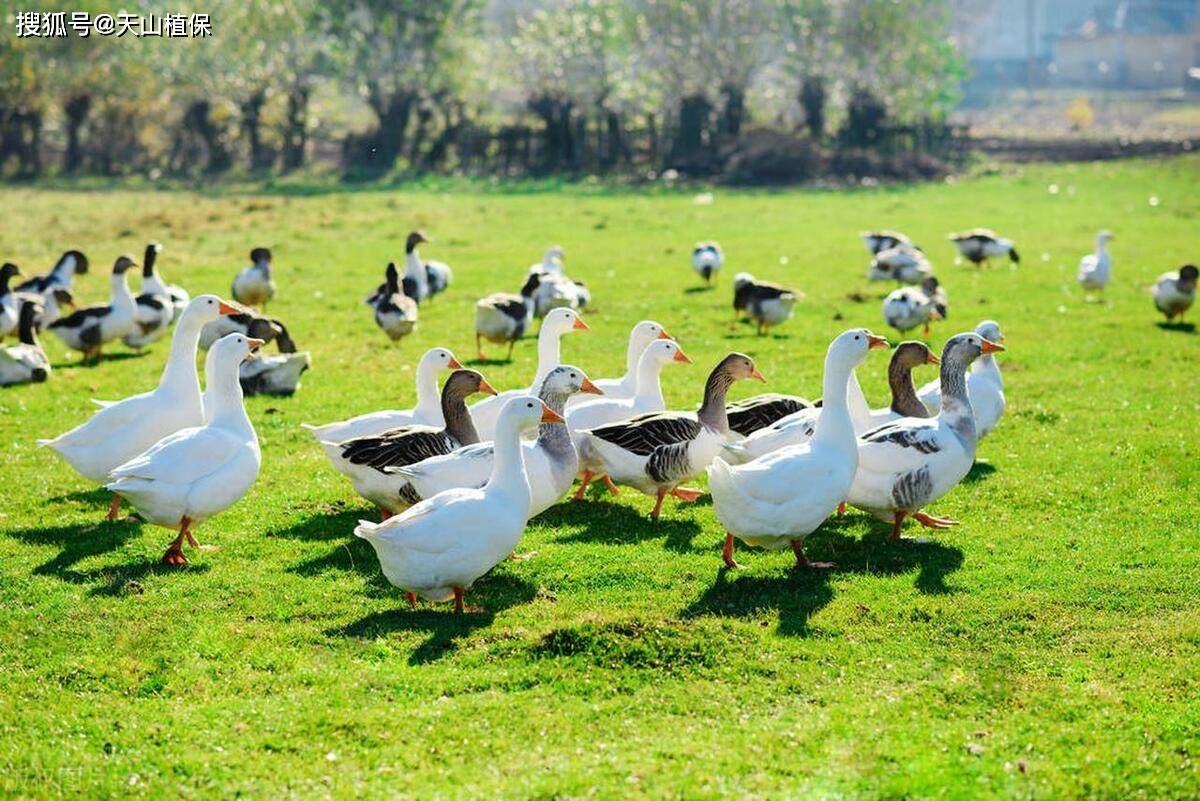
<point x="1095" y="269"/>
<point x="504" y="317"/>
<point x="551" y="459"/>
<point x="764" y="302"/>
<point x="1174" y="293"/>
<point x="153" y="283"/>
<point x="254" y="286"/>
<point x="707" y="259"/>
<point x="122" y="430"/>
<point x="657" y="452"/>
<point x="395" y="313"/>
<point x="25" y="362"/>
<point x="557" y="323"/>
<point x="154" y="307"/>
<point x="364" y="460"/>
<point x="985" y="386"/>
<point x="777" y="500"/>
<point x="554" y="288"/>
<point x="438" y="548"/>
<point x="88" y="329"/>
<point x="427" y="412"/>
<point x="909" y="463"/>
<point x="196" y="472"/>
<point x="422" y="280"/>
<point x="69" y="264"/>
<point x="640" y="337"/>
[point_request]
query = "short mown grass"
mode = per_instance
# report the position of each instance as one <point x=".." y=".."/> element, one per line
<point x="1046" y="648"/>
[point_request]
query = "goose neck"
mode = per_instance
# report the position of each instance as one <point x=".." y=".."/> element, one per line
<point x="555" y="437"/>
<point x="904" y="395"/>
<point x="712" y="410"/>
<point x="223" y="399"/>
<point x="459" y="424"/>
<point x="834" y="424"/>
<point x="179" y="376"/>
<point x="549" y="354"/>
<point x="956" y="403"/>
<point x="509" y="481"/>
<point x="647" y="385"/>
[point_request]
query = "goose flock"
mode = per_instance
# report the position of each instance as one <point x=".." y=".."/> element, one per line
<point x="456" y="480"/>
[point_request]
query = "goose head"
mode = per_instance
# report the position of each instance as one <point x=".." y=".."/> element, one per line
<point x="525" y="412"/>
<point x="78" y="260"/>
<point x="438" y="359"/>
<point x="1103" y="238"/>
<point x="260" y="256"/>
<point x="554" y="253"/>
<point x="206" y="308"/>
<point x="646" y="332"/>
<point x="962" y="349"/>
<point x="849" y="349"/>
<point x="8" y="272"/>
<point x="562" y="320"/>
<point x="565" y="380"/>
<point x="908" y="355"/>
<point x="738" y="366"/>
<point x="152" y="251"/>
<point x="123" y="264"/>
<point x="990" y="330"/>
<point x="742" y="279"/>
<point x="1187" y="277"/>
<point x="662" y="352"/>
<point x="462" y="383"/>
<point x="414" y="238"/>
<point x="233" y="349"/>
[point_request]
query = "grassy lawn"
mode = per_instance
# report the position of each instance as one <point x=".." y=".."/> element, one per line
<point x="1046" y="648"/>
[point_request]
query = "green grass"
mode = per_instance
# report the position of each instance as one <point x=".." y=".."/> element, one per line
<point x="1046" y="648"/>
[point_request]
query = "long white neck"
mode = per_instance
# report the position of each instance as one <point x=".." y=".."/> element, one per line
<point x="429" y="402"/>
<point x="153" y="284"/>
<point x="986" y="365"/>
<point x="648" y="384"/>
<point x="414" y="269"/>
<point x="179" y="377"/>
<point x="633" y="352"/>
<point x="548" y="356"/>
<point x="509" y="481"/>
<point x="856" y="401"/>
<point x="835" y="427"/>
<point x="223" y="398"/>
<point x="119" y="288"/>
<point x="1101" y="246"/>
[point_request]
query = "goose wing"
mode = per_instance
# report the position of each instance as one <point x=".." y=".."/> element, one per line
<point x="400" y="446"/>
<point x="749" y="415"/>
<point x="645" y="432"/>
<point x="183" y="457"/>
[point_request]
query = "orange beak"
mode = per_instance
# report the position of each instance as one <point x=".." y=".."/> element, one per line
<point x="680" y="356"/>
<point x="588" y="386"/>
<point x="225" y="308"/>
<point x="876" y="342"/>
<point x="933" y="359"/>
<point x="992" y="347"/>
<point x="580" y="325"/>
<point x="484" y="386"/>
<point x="551" y="416"/>
<point x="254" y="344"/>
<point x="454" y="364"/>
<point x="664" y="335"/>
<point x="757" y="376"/>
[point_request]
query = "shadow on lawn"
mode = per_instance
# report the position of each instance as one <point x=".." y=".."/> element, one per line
<point x="1182" y="328"/>
<point x="494" y="593"/>
<point x="609" y="523"/>
<point x="349" y="553"/>
<point x="980" y="471"/>
<point x="799" y="594"/>
<point x="106" y="357"/>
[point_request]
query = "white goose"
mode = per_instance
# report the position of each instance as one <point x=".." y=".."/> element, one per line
<point x="123" y="429"/>
<point x="776" y="501"/>
<point x="438" y="548"/>
<point x="640" y="336"/>
<point x="427" y="412"/>
<point x="1095" y="269"/>
<point x="254" y="286"/>
<point x="985" y="385"/>
<point x="647" y="398"/>
<point x="655" y="453"/>
<point x="196" y="472"/>
<point x="551" y="459"/>
<point x="88" y="329"/>
<point x="911" y="462"/>
<point x="25" y="362"/>
<point x="908" y="307"/>
<point x="154" y="307"/>
<point x="707" y="259"/>
<point x="907" y="264"/>
<point x="505" y="317"/>
<point x="1175" y="292"/>
<point x="422" y="279"/>
<point x="557" y="323"/>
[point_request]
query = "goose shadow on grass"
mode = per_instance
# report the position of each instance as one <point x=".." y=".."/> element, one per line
<point x="348" y="552"/>
<point x="798" y="594"/>
<point x="695" y="290"/>
<point x="107" y="357"/>
<point x="1181" y="328"/>
<point x="615" y="523"/>
<point x="98" y="497"/>
<point x="494" y="593"/>
<point x="82" y="541"/>
<point x="980" y="471"/>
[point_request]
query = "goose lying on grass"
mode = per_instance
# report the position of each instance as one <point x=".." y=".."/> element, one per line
<point x="25" y="362"/>
<point x="428" y="410"/>
<point x="907" y="464"/>
<point x="196" y="472"/>
<point x="439" y="547"/>
<point x="776" y="501"/>
<point x="907" y="264"/>
<point x="657" y="452"/>
<point x="985" y="386"/>
<point x="10" y="301"/>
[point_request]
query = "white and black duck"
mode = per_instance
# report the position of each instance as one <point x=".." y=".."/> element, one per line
<point x="877" y="241"/>
<point x="25" y="362"/>
<point x="505" y="317"/>
<point x="363" y="460"/>
<point x="395" y="313"/>
<point x="657" y="452"/>
<point x="10" y="301"/>
<point x="69" y="264"/>
<point x="764" y="302"/>
<point x="908" y="307"/>
<point x="907" y="264"/>
<point x="556" y="289"/>
<point x="707" y="260"/>
<point x="154" y="306"/>
<point x="907" y="464"/>
<point x="981" y="245"/>
<point x="423" y="279"/>
<point x="1175" y="292"/>
<point x="254" y="286"/>
<point x="249" y="324"/>
<point x="90" y="328"/>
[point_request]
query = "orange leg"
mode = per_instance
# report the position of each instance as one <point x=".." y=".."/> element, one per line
<point x="929" y="521"/>
<point x="842" y="508"/>
<point x="479" y="347"/>
<point x="686" y="494"/>
<point x="608" y="482"/>
<point x="114" y="507"/>
<point x="384" y="514"/>
<point x="897" y="522"/>
<point x="662" y="493"/>
<point x="583" y="485"/>
<point x="174" y="554"/>
<point x="458" y="600"/>
<point x="411" y="597"/>
<point x="802" y="560"/>
<point x="727" y="553"/>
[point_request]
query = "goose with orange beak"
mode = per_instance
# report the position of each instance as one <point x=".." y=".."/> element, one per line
<point x="438" y="548"/>
<point x="191" y="475"/>
<point x="985" y="386"/>
<point x="657" y="452"/>
<point x="123" y="429"/>
<point x="777" y="500"/>
<point x="910" y="463"/>
<point x="551" y="459"/>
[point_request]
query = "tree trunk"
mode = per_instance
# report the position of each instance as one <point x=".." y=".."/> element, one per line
<point x="76" y="112"/>
<point x="199" y="119"/>
<point x="295" y="133"/>
<point x="260" y="156"/>
<point x="734" y="113"/>
<point x="393" y="114"/>
<point x="417" y="141"/>
<point x="812" y="100"/>
<point x="689" y="146"/>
